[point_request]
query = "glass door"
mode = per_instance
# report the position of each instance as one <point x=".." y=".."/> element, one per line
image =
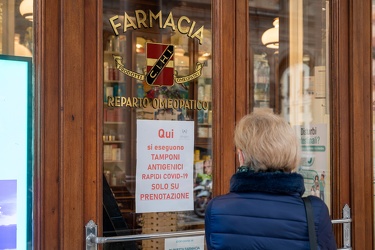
<point x="289" y="44"/>
<point x="157" y="118"/>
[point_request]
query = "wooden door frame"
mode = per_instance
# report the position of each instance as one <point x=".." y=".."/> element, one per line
<point x="351" y="109"/>
<point x="67" y="182"/>
<point x="230" y="88"/>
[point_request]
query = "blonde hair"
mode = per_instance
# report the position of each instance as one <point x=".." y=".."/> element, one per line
<point x="267" y="141"/>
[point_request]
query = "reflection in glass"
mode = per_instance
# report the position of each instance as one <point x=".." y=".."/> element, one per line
<point x="289" y="75"/>
<point x="16" y="31"/>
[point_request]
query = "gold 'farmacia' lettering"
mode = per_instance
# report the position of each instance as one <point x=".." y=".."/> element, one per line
<point x="142" y="19"/>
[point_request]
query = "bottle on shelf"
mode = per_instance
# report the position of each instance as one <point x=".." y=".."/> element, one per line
<point x="116" y="43"/>
<point x="110" y="72"/>
<point x="110" y="43"/>
<point x="107" y="175"/>
<point x="113" y="180"/>
<point x="201" y="89"/>
<point x="140" y="90"/>
<point x="207" y="92"/>
<point x="108" y="91"/>
<point x="106" y="69"/>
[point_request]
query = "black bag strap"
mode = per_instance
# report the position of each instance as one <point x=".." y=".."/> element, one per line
<point x="310" y="223"/>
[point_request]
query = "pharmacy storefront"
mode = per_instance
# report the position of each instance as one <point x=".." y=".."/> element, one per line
<point x="128" y="110"/>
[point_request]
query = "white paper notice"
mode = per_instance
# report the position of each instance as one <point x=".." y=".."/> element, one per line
<point x="185" y="243"/>
<point x="164" y="178"/>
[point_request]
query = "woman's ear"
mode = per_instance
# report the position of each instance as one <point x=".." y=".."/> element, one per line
<point x="240" y="157"/>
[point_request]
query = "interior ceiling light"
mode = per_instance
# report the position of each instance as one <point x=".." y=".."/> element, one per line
<point x="270" y="37"/>
<point x="26" y="9"/>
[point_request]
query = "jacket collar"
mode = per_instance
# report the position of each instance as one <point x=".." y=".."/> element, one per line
<point x="268" y="182"/>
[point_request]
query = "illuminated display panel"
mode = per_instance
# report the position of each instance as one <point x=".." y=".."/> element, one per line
<point x="15" y="152"/>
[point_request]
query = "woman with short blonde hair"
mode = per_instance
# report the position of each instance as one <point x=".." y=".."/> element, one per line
<point x="267" y="142"/>
<point x="264" y="208"/>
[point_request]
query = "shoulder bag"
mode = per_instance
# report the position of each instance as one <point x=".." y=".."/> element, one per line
<point x="310" y="223"/>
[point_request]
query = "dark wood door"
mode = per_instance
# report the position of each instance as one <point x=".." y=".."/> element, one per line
<point x="352" y="117"/>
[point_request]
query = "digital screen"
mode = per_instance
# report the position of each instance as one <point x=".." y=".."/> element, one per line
<point x="15" y="152"/>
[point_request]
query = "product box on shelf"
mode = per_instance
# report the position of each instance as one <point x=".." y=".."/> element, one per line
<point x="114" y="115"/>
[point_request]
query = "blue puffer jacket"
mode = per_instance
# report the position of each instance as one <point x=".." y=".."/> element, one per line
<point x="265" y="210"/>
